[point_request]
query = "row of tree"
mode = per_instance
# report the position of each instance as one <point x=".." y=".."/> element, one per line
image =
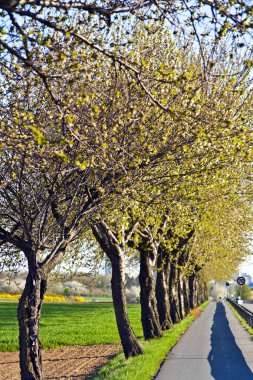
<point x="154" y="162"/>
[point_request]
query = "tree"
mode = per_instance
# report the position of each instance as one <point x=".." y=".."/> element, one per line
<point x="222" y="237"/>
<point x="64" y="158"/>
<point x="43" y="209"/>
<point x="57" y="15"/>
<point x="148" y="243"/>
<point x="32" y="30"/>
<point x="242" y="291"/>
<point x="162" y="286"/>
<point x="114" y="243"/>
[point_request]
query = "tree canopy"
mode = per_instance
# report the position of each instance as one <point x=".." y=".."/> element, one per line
<point x="138" y="132"/>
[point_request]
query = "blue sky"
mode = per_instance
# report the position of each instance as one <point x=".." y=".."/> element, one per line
<point x="247" y="266"/>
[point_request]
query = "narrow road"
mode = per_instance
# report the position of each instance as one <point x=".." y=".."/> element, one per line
<point x="215" y="346"/>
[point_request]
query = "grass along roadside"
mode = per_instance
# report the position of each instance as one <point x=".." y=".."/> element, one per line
<point x="241" y="320"/>
<point x="146" y="366"/>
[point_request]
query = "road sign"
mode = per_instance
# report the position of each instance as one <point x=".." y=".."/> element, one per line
<point x="240" y="280"/>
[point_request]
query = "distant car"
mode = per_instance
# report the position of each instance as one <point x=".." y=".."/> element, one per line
<point x="133" y="300"/>
<point x="239" y="301"/>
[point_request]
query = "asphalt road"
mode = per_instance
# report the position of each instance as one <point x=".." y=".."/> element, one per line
<point x="215" y="346"/>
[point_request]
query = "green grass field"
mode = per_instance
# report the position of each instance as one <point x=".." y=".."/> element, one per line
<point x="67" y="324"/>
<point x="98" y="299"/>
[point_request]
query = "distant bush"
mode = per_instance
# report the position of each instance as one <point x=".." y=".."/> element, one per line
<point x="55" y="287"/>
<point x="79" y="299"/>
<point x="46" y="297"/>
<point x="12" y="285"/>
<point x="74" y="288"/>
<point x="67" y="291"/>
<point x="133" y="293"/>
<point x="54" y="298"/>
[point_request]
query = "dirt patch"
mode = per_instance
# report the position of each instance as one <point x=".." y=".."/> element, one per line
<point x="70" y="363"/>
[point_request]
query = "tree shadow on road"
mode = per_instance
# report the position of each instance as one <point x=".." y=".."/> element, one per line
<point x="225" y="358"/>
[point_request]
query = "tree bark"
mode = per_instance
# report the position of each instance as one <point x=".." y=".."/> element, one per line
<point x="183" y="287"/>
<point x="205" y="294"/>
<point x="180" y="295"/>
<point x="173" y="294"/>
<point x="111" y="246"/>
<point x="192" y="291"/>
<point x="130" y="344"/>
<point x="177" y="289"/>
<point x="202" y="291"/>
<point x="149" y="314"/>
<point x="183" y="294"/>
<point x="29" y="309"/>
<point x="186" y="295"/>
<point x="197" y="289"/>
<point x="162" y="290"/>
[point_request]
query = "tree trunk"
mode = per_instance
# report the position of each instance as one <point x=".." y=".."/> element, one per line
<point x="178" y="303"/>
<point x="186" y="295"/>
<point x="112" y="248"/>
<point x="205" y="294"/>
<point x="192" y="291"/>
<point x="130" y="344"/>
<point x="197" y="291"/>
<point x="28" y="317"/>
<point x="183" y="288"/>
<point x="162" y="289"/>
<point x="202" y="291"/>
<point x="180" y="294"/>
<point x="173" y="295"/>
<point x="149" y="314"/>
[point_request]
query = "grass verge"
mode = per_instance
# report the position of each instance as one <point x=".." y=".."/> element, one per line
<point x="241" y="320"/>
<point x="146" y="366"/>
